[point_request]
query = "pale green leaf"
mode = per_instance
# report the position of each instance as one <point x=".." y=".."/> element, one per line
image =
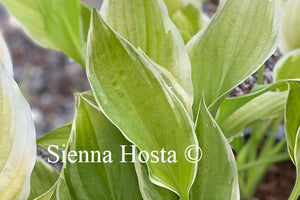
<point x="296" y="190"/>
<point x="146" y="24"/>
<point x="174" y="5"/>
<point x="92" y="131"/>
<point x="149" y="190"/>
<point x="54" y="24"/>
<point x="239" y="39"/>
<point x="189" y="19"/>
<point x="132" y="93"/>
<point x="267" y="105"/>
<point x="292" y="122"/>
<point x="217" y="176"/>
<point x="288" y="67"/>
<point x="290" y="30"/>
<point x="43" y="177"/>
<point x="17" y="140"/>
<point x="173" y="85"/>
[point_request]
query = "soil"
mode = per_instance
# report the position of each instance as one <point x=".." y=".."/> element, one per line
<point x="278" y="183"/>
<point x="48" y="79"/>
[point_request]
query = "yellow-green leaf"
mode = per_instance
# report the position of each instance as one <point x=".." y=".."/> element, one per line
<point x="217" y="176"/>
<point x="238" y="40"/>
<point x="146" y="24"/>
<point x="133" y="95"/>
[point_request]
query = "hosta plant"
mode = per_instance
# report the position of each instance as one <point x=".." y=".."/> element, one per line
<point x="157" y="123"/>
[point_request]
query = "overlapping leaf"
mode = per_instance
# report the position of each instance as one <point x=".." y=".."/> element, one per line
<point x="150" y="191"/>
<point x="217" y="176"/>
<point x="240" y="37"/>
<point x="146" y="24"/>
<point x="43" y="177"/>
<point x="17" y="140"/>
<point x="58" y="191"/>
<point x="288" y="67"/>
<point x="292" y="122"/>
<point x="233" y="121"/>
<point x="132" y="93"/>
<point x="63" y="30"/>
<point x="92" y="178"/>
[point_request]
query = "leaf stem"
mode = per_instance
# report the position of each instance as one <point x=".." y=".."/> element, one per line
<point x="260" y="77"/>
<point x="296" y="190"/>
<point x="268" y="160"/>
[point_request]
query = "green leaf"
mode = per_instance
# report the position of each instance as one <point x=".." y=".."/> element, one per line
<point x="50" y="194"/>
<point x="231" y="105"/>
<point x="63" y="30"/>
<point x="290" y="31"/>
<point x="58" y="191"/>
<point x="146" y="24"/>
<point x="57" y="137"/>
<point x="85" y="20"/>
<point x="288" y="67"/>
<point x="85" y="179"/>
<point x="292" y="122"/>
<point x="17" y="139"/>
<point x="132" y="93"/>
<point x="62" y="192"/>
<point x="148" y="190"/>
<point x="43" y="177"/>
<point x="217" y="176"/>
<point x="239" y="39"/>
<point x="267" y="105"/>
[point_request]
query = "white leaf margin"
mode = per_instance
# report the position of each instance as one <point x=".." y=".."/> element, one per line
<point x="5" y="55"/>
<point x="16" y="171"/>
